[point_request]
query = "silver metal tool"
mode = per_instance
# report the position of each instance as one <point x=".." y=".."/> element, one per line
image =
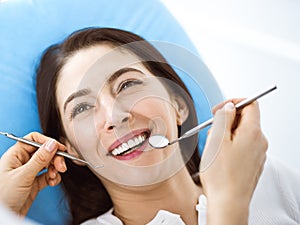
<point x="38" y="145"/>
<point x="160" y="141"/>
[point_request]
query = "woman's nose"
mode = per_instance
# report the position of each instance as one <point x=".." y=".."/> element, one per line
<point x="114" y="123"/>
<point x="112" y="115"/>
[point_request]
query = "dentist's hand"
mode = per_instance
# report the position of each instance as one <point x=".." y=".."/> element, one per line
<point x="20" y="167"/>
<point x="232" y="162"/>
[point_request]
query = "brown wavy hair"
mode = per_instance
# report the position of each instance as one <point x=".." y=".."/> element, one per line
<point x="86" y="194"/>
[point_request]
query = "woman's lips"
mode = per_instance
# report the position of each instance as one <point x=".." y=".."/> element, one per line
<point x="130" y="145"/>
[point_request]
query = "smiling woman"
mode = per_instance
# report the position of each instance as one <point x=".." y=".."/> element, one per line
<point x="118" y="97"/>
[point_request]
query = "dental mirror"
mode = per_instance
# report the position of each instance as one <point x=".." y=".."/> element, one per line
<point x="160" y="141"/>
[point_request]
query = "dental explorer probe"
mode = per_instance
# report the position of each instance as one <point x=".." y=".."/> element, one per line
<point x="38" y="145"/>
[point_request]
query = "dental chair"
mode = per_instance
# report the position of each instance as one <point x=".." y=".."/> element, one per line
<point x="28" y="27"/>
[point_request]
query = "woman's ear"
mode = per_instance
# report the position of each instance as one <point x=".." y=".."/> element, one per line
<point x="182" y="111"/>
<point x="71" y="150"/>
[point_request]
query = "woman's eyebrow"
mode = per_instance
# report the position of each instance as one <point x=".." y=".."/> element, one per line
<point x="76" y="94"/>
<point x="119" y="72"/>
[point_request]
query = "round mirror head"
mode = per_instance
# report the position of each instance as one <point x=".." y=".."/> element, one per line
<point x="158" y="141"/>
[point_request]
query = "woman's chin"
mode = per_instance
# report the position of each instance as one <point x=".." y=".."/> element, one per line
<point x="146" y="169"/>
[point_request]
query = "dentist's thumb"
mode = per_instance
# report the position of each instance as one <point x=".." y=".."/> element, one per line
<point x="220" y="131"/>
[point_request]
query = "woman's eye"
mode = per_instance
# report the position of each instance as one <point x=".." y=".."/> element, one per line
<point x="128" y="83"/>
<point x="79" y="108"/>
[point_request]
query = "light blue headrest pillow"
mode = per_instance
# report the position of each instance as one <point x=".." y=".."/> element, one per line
<point x="28" y="27"/>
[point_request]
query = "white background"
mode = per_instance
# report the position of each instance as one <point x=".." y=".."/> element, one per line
<point x="248" y="46"/>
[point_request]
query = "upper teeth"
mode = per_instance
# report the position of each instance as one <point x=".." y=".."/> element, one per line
<point x="130" y="144"/>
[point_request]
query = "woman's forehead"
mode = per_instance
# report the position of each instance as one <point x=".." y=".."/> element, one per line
<point x="89" y="63"/>
<point x="92" y="67"/>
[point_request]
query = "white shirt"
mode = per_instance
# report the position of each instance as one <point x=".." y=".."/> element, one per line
<point x="276" y="201"/>
<point x="7" y="216"/>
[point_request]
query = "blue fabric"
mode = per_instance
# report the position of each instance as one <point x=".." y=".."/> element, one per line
<point x="27" y="27"/>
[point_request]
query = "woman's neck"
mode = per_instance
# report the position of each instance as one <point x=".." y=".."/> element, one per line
<point x="139" y="205"/>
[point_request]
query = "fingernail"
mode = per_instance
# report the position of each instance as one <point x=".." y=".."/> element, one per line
<point x="229" y="106"/>
<point x="50" y="145"/>
<point x="64" y="166"/>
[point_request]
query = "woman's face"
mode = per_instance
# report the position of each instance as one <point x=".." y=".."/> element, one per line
<point x="109" y="105"/>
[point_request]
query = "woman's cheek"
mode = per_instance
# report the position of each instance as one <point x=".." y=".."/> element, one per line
<point x="85" y="137"/>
